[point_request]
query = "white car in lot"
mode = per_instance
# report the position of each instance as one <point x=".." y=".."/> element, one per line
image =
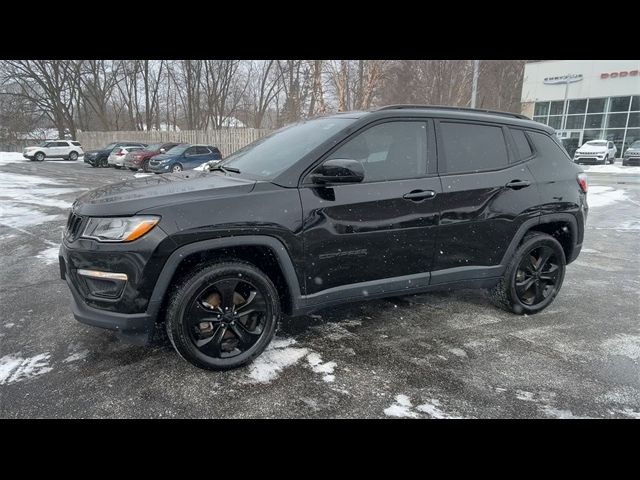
<point x="116" y="157"/>
<point x="67" y="149"/>
<point x="595" y="152"/>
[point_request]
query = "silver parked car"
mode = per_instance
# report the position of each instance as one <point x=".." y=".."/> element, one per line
<point x="116" y="158"/>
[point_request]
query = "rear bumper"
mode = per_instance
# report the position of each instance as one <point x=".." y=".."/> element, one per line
<point x="116" y="161"/>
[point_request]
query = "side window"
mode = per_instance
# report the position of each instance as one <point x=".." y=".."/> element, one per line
<point x="203" y="151"/>
<point x="523" y="149"/>
<point x="471" y="147"/>
<point x="389" y="151"/>
<point x="60" y="144"/>
<point x="190" y="151"/>
<point x="546" y="147"/>
<point x="77" y="144"/>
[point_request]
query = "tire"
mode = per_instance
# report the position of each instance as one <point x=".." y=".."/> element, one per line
<point x="145" y="165"/>
<point x="39" y="157"/>
<point x="118" y="167"/>
<point x="176" y="168"/>
<point x="506" y="296"/>
<point x="133" y="169"/>
<point x="217" y="347"/>
<point x="104" y="163"/>
<point x="73" y="156"/>
<point x="606" y="159"/>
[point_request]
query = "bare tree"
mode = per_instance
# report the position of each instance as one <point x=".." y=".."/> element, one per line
<point x="265" y="83"/>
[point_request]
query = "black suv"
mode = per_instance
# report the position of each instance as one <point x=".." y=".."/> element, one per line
<point x="349" y="207"/>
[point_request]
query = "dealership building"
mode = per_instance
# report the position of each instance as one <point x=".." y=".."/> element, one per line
<point x="585" y="100"/>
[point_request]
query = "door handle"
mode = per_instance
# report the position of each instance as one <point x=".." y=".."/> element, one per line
<point x="419" y="195"/>
<point x="517" y="184"/>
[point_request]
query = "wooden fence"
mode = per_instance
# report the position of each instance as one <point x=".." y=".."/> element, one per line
<point x="228" y="140"/>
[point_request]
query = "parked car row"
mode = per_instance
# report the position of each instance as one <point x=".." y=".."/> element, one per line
<point x="596" y="152"/>
<point x="155" y="158"/>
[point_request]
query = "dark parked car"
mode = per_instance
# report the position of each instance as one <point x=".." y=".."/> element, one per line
<point x="350" y="207"/>
<point x="140" y="160"/>
<point x="98" y="158"/>
<point x="632" y="155"/>
<point x="183" y="157"/>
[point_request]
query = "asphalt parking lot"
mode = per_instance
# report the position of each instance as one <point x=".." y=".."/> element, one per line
<point x="440" y="355"/>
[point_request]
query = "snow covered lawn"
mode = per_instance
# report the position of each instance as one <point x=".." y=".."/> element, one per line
<point x="615" y="168"/>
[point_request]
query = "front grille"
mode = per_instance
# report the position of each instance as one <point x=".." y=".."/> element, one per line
<point x="74" y="223"/>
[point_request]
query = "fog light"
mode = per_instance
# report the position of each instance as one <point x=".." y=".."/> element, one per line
<point x="103" y="284"/>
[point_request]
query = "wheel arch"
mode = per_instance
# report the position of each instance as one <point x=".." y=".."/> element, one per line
<point x="562" y="226"/>
<point x="267" y="253"/>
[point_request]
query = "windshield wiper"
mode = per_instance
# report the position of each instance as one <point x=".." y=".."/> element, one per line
<point x="223" y="169"/>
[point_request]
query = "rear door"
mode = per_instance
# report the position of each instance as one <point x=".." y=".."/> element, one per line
<point x="487" y="190"/>
<point x="381" y="228"/>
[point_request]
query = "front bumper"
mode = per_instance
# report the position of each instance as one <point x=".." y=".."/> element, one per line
<point x="131" y="314"/>
<point x="631" y="161"/>
<point x="162" y="168"/>
<point x="28" y="156"/>
<point x="589" y="160"/>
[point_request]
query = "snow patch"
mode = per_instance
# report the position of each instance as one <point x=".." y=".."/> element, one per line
<point x="524" y="395"/>
<point x="278" y="356"/>
<point x="140" y="175"/>
<point x="623" y="344"/>
<point x="315" y="361"/>
<point x="556" y="413"/>
<point x="615" y="168"/>
<point x="401" y="408"/>
<point x="600" y="196"/>
<point x="433" y="408"/>
<point x="458" y="352"/>
<point x="15" y="368"/>
<point x="10" y="157"/>
<point x="74" y="357"/>
<point x="50" y="255"/>
<point x="589" y="250"/>
<point x="629" y="413"/>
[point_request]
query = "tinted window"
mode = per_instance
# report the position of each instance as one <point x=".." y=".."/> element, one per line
<point x="547" y="148"/>
<point x="77" y="144"/>
<point x="522" y="144"/>
<point x="191" y="151"/>
<point x="389" y="151"/>
<point x="60" y="144"/>
<point x="202" y="151"/>
<point x="469" y="147"/>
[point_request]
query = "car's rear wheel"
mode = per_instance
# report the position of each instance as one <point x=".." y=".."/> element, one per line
<point x="223" y="315"/>
<point x="104" y="163"/>
<point x="133" y="169"/>
<point x="533" y="277"/>
<point x="176" y="168"/>
<point x="118" y="167"/>
<point x="73" y="156"/>
<point x="39" y="157"/>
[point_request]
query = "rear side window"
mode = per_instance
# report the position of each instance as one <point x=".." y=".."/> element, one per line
<point x="471" y="147"/>
<point x="77" y="144"/>
<point x="523" y="149"/>
<point x="546" y="147"/>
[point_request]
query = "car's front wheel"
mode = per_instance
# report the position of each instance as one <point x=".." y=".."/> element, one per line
<point x="533" y="276"/>
<point x="73" y="156"/>
<point x="39" y="157"/>
<point x="176" y="168"/>
<point x="222" y="315"/>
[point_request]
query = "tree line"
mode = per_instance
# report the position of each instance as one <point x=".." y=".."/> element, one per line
<point x="73" y="95"/>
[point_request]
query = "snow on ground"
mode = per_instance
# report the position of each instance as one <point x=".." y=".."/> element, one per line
<point x="14" y="368"/>
<point x="50" y="255"/>
<point x="623" y="344"/>
<point x="10" y="157"/>
<point x="600" y="196"/>
<point x="278" y="356"/>
<point x="401" y="408"/>
<point x="315" y="362"/>
<point x="141" y="175"/>
<point x="74" y="357"/>
<point x="615" y="168"/>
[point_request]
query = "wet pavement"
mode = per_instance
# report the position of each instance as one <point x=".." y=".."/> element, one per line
<point x="439" y="355"/>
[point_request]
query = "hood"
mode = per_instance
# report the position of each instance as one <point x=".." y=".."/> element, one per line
<point x="133" y="196"/>
<point x="593" y="148"/>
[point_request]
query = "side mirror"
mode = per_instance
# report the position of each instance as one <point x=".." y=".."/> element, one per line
<point x="339" y="170"/>
<point x="162" y="150"/>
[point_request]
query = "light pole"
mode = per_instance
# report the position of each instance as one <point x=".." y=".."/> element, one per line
<point x="474" y="87"/>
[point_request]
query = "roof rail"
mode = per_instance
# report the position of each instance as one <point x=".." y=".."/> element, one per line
<point x="461" y="109"/>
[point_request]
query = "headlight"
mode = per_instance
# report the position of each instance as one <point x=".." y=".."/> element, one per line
<point x="119" y="229"/>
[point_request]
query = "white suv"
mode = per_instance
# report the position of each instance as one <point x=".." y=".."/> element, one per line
<point x="54" y="149"/>
<point x="596" y="151"/>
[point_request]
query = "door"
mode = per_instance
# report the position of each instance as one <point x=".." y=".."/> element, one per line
<point x="487" y="190"/>
<point x="195" y="156"/>
<point x="58" y="149"/>
<point x="383" y="227"/>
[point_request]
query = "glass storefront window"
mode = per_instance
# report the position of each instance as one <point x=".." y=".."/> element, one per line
<point x="555" y="122"/>
<point x="574" y="122"/>
<point x="577" y="106"/>
<point x="594" y="121"/>
<point x="617" y="120"/>
<point x="591" y="135"/>
<point x="556" y="108"/>
<point x="597" y="105"/>
<point x="541" y="109"/>
<point x="635" y="103"/>
<point x="619" y="104"/>
<point x="634" y="120"/>
<point x="540" y="119"/>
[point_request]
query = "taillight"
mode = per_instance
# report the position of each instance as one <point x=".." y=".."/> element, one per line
<point x="582" y="181"/>
<point x="119" y="152"/>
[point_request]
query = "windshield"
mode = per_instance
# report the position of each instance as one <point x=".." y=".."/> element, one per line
<point x="597" y="143"/>
<point x="178" y="149"/>
<point x="271" y="155"/>
<point x="110" y="146"/>
<point x="635" y="144"/>
<point x="153" y="148"/>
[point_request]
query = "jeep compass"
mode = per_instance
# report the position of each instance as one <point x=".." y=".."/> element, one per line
<point x="350" y="207"/>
